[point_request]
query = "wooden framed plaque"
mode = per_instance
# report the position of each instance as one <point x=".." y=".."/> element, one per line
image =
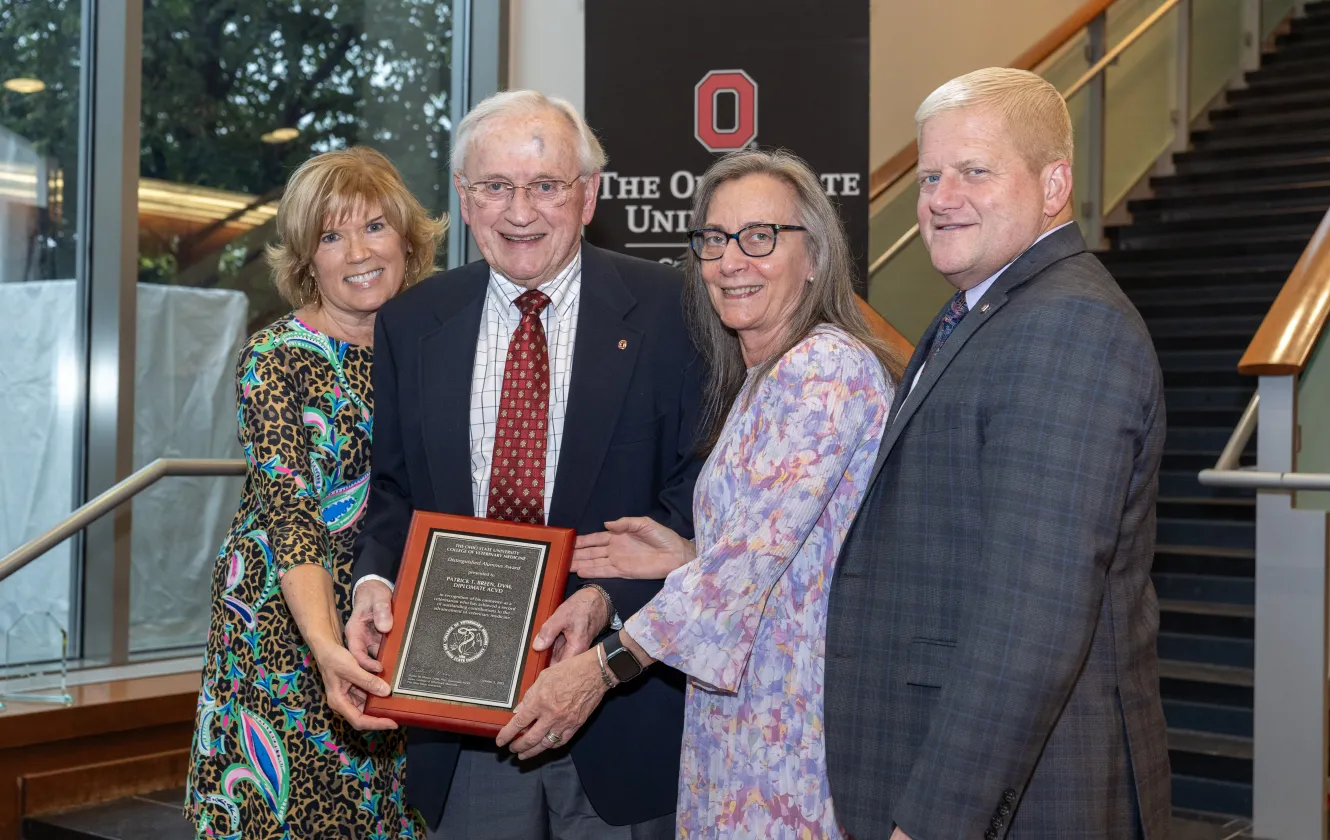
<point x="470" y="596"/>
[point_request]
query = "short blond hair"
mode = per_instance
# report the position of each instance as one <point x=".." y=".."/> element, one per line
<point x="329" y="187"/>
<point x="1035" y="113"/>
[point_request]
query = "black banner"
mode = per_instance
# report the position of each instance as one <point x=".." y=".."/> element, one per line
<point x="671" y="84"/>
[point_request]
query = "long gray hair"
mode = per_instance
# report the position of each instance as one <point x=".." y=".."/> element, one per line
<point x="828" y="299"/>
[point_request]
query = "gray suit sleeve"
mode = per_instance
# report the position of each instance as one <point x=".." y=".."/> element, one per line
<point x="1067" y="417"/>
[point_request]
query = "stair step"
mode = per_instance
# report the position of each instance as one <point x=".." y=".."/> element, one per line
<point x="1189" y="398"/>
<point x="1208" y="717"/>
<point x="1225" y="630"/>
<point x="1182" y="303"/>
<point x="1185" y="482"/>
<point x="1213" y="608"/>
<point x="1232" y="204"/>
<point x="1208" y="795"/>
<point x="1273" y="141"/>
<point x="1259" y="101"/>
<point x="1191" y="361"/>
<point x="154" y="815"/>
<point x="1205" y="231"/>
<point x="1270" y="175"/>
<point x="1206" y="532"/>
<point x="1196" y="281"/>
<point x="1196" y="647"/>
<point x="1205" y="743"/>
<point x="1205" y="508"/>
<point x="1303" y="68"/>
<point x="1199" y="437"/>
<point x="1240" y="161"/>
<point x="1213" y="675"/>
<point x="1240" y="325"/>
<point x="1211" y="587"/>
<point x="1197" y="461"/>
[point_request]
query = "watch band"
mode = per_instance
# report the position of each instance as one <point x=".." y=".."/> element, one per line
<point x="620" y="659"/>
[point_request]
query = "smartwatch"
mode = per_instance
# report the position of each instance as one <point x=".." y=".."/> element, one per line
<point x="620" y="659"/>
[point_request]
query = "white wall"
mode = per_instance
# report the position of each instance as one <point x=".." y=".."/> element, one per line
<point x="919" y="45"/>
<point x="547" y="48"/>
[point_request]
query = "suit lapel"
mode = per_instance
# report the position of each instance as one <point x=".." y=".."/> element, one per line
<point x="604" y="355"/>
<point x="447" y="358"/>
<point x="1057" y="246"/>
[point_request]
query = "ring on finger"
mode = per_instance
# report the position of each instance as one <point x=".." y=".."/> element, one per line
<point x="553" y="738"/>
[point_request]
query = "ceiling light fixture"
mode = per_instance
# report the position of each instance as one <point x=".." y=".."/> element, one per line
<point x="280" y="135"/>
<point x="24" y="85"/>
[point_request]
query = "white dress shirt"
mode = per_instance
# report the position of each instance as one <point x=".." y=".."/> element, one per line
<point x="974" y="295"/>
<point x="498" y="323"/>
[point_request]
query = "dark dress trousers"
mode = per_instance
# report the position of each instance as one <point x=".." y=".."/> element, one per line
<point x="991" y="665"/>
<point x="634" y="395"/>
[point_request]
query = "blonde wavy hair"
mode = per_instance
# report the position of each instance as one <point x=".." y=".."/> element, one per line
<point x="328" y="188"/>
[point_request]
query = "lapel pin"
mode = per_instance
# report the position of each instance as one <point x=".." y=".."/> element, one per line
<point x="623" y="344"/>
<point x="983" y="309"/>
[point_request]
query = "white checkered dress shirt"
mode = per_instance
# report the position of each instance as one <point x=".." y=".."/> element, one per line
<point x="501" y="318"/>
<point x="499" y="322"/>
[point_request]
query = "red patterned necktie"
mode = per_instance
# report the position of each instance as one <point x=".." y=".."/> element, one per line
<point x="517" y="465"/>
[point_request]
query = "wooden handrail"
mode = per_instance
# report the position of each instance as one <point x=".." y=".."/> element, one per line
<point x="884" y="330"/>
<point x="903" y="161"/>
<point x="1298" y="316"/>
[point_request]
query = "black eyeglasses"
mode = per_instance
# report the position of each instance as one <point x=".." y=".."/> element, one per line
<point x="754" y="240"/>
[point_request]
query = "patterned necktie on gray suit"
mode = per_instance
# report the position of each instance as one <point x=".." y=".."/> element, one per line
<point x="955" y="312"/>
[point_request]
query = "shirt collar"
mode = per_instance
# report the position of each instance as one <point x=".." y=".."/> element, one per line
<point x="973" y="296"/>
<point x="560" y="288"/>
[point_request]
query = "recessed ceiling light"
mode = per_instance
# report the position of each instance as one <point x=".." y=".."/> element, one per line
<point x="22" y="85"/>
<point x="280" y="135"/>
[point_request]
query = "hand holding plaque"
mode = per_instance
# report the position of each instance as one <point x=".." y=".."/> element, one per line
<point x="470" y="595"/>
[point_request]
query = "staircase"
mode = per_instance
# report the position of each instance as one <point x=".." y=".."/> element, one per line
<point x="1203" y="260"/>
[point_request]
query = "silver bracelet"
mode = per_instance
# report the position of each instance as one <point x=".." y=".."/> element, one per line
<point x="604" y="673"/>
<point x="610" y="614"/>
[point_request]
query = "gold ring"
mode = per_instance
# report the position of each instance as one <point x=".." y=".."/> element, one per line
<point x="555" y="740"/>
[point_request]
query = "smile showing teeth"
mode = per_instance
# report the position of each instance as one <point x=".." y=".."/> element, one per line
<point x="742" y="291"/>
<point x="532" y="238"/>
<point x="364" y="278"/>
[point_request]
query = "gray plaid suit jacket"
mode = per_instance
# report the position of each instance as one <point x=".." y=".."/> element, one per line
<point x="991" y="668"/>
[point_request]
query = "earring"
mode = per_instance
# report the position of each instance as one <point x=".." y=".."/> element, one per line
<point x="309" y="289"/>
<point x="810" y="279"/>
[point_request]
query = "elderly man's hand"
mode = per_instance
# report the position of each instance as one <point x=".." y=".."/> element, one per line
<point x="371" y="617"/>
<point x="573" y="627"/>
<point x="555" y="707"/>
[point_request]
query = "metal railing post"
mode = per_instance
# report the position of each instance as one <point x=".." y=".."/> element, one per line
<point x="1092" y="206"/>
<point x="1251" y="36"/>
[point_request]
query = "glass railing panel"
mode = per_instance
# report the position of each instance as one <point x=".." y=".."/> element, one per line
<point x="1138" y="123"/>
<point x="179" y="525"/>
<point x="1313" y="419"/>
<point x="1273" y="13"/>
<point x="1216" y="50"/>
<point x="906" y="291"/>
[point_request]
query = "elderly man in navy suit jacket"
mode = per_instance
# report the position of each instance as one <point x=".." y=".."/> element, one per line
<point x="621" y="391"/>
<point x="991" y="667"/>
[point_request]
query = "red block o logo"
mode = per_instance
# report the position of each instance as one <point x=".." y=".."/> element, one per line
<point x="744" y="89"/>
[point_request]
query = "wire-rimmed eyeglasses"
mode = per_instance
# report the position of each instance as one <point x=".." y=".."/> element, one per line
<point x="547" y="192"/>
<point x="757" y="240"/>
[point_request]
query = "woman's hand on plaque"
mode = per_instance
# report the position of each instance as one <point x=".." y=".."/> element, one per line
<point x="555" y="707"/>
<point x="347" y="686"/>
<point x="632" y="547"/>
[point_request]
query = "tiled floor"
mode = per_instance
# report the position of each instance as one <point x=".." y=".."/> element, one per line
<point x="157" y="816"/>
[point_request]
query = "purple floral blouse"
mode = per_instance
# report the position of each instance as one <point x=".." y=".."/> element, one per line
<point x="746" y="620"/>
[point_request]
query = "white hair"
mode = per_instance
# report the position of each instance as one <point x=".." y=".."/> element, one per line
<point x="590" y="154"/>
<point x="1035" y="113"/>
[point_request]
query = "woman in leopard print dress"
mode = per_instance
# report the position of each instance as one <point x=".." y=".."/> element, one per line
<point x="274" y="755"/>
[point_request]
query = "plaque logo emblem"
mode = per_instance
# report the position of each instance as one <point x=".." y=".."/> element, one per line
<point x="465" y="641"/>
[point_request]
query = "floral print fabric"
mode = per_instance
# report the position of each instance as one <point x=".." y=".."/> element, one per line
<point x="746" y="619"/>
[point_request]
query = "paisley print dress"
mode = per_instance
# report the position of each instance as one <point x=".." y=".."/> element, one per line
<point x="270" y="759"/>
<point x="746" y="620"/>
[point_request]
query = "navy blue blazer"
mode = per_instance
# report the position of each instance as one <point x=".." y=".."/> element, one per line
<point x="627" y="450"/>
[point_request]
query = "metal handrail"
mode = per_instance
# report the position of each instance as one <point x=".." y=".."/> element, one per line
<point x="1227" y="473"/>
<point x="113" y="498"/>
<point x="1098" y="67"/>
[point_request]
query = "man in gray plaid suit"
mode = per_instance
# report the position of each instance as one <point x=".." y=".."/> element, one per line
<point x="991" y="668"/>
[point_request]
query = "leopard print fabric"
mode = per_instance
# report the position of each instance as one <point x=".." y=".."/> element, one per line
<point x="270" y="759"/>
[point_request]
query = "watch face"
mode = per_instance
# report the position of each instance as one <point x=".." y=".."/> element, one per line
<point x="623" y="664"/>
